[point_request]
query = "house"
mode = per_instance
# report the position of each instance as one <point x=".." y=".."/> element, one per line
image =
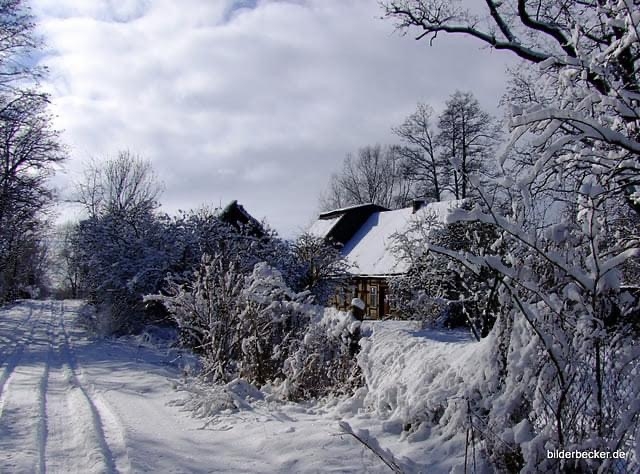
<point x="365" y="236"/>
<point x="236" y="216"/>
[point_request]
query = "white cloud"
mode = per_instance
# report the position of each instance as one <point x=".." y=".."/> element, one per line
<point x="255" y="101"/>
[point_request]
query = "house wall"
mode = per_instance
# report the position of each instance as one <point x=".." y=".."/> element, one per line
<point x="374" y="291"/>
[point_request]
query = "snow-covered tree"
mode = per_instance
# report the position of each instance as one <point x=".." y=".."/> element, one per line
<point x="566" y="363"/>
<point x="121" y="261"/>
<point x="124" y="248"/>
<point x="319" y="267"/>
<point x="586" y="83"/>
<point x="437" y="289"/>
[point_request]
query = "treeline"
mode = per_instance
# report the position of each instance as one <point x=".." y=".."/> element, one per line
<point x="29" y="151"/>
<point x="126" y="249"/>
<point x="434" y="159"/>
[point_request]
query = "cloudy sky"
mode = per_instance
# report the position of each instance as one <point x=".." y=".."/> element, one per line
<point x="255" y="100"/>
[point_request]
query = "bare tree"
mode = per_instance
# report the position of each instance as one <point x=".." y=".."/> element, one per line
<point x="67" y="269"/>
<point x="467" y="135"/>
<point x="17" y="45"/>
<point x="29" y="151"/>
<point x="422" y="163"/>
<point x="532" y="35"/>
<point x="373" y="175"/>
<point x="125" y="186"/>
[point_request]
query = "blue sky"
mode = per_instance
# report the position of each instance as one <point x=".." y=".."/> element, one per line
<point x="237" y="6"/>
<point x="255" y="100"/>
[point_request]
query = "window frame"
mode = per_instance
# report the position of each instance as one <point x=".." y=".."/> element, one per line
<point x="373" y="296"/>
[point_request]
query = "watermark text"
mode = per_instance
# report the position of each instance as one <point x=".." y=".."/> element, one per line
<point x="585" y="454"/>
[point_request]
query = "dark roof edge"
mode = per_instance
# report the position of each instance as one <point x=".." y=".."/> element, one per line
<point x="337" y="212"/>
<point x="375" y="275"/>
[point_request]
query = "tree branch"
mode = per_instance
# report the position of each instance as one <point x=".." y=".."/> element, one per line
<point x="546" y="28"/>
<point x="438" y="25"/>
<point x="500" y="22"/>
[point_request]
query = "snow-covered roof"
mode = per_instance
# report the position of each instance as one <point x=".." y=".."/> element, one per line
<point x="369" y="251"/>
<point x="322" y="227"/>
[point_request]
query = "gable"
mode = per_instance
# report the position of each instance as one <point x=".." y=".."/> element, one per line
<point x="322" y="227"/>
<point x="339" y="226"/>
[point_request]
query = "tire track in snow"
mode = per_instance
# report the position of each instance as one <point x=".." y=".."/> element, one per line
<point x="75" y="444"/>
<point x="22" y="397"/>
<point x="42" y="397"/>
<point x="13" y="357"/>
<point x="108" y="431"/>
<point x="10" y="360"/>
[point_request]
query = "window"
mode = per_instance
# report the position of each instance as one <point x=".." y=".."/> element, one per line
<point x="373" y="296"/>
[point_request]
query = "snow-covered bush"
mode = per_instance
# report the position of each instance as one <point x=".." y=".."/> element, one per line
<point x="120" y="261"/>
<point x="434" y="385"/>
<point x="205" y="310"/>
<point x="273" y="321"/>
<point x="566" y="360"/>
<point x="324" y="361"/>
<point x="205" y="401"/>
<point x="201" y="231"/>
<point x="251" y="325"/>
<point x="438" y="289"/>
<point x="564" y="372"/>
<point x="242" y="324"/>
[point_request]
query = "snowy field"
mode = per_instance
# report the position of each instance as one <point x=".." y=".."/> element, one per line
<point x="73" y="403"/>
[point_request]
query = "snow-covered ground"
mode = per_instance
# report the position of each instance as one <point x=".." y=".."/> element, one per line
<point x="72" y="403"/>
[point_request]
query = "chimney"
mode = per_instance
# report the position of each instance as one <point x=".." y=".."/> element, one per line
<point x="416" y="204"/>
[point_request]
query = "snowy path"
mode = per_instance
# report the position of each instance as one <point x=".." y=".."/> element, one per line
<point x="49" y="420"/>
<point x="70" y="403"/>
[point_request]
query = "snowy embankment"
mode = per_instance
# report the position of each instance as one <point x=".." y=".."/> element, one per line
<point x="410" y="372"/>
<point x="72" y="403"/>
<point x="415" y="379"/>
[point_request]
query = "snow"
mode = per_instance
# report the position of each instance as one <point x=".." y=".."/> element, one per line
<point x="358" y="303"/>
<point x="414" y="379"/>
<point x="73" y="403"/>
<point x="370" y="250"/>
<point x="322" y="227"/>
<point x="408" y="369"/>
